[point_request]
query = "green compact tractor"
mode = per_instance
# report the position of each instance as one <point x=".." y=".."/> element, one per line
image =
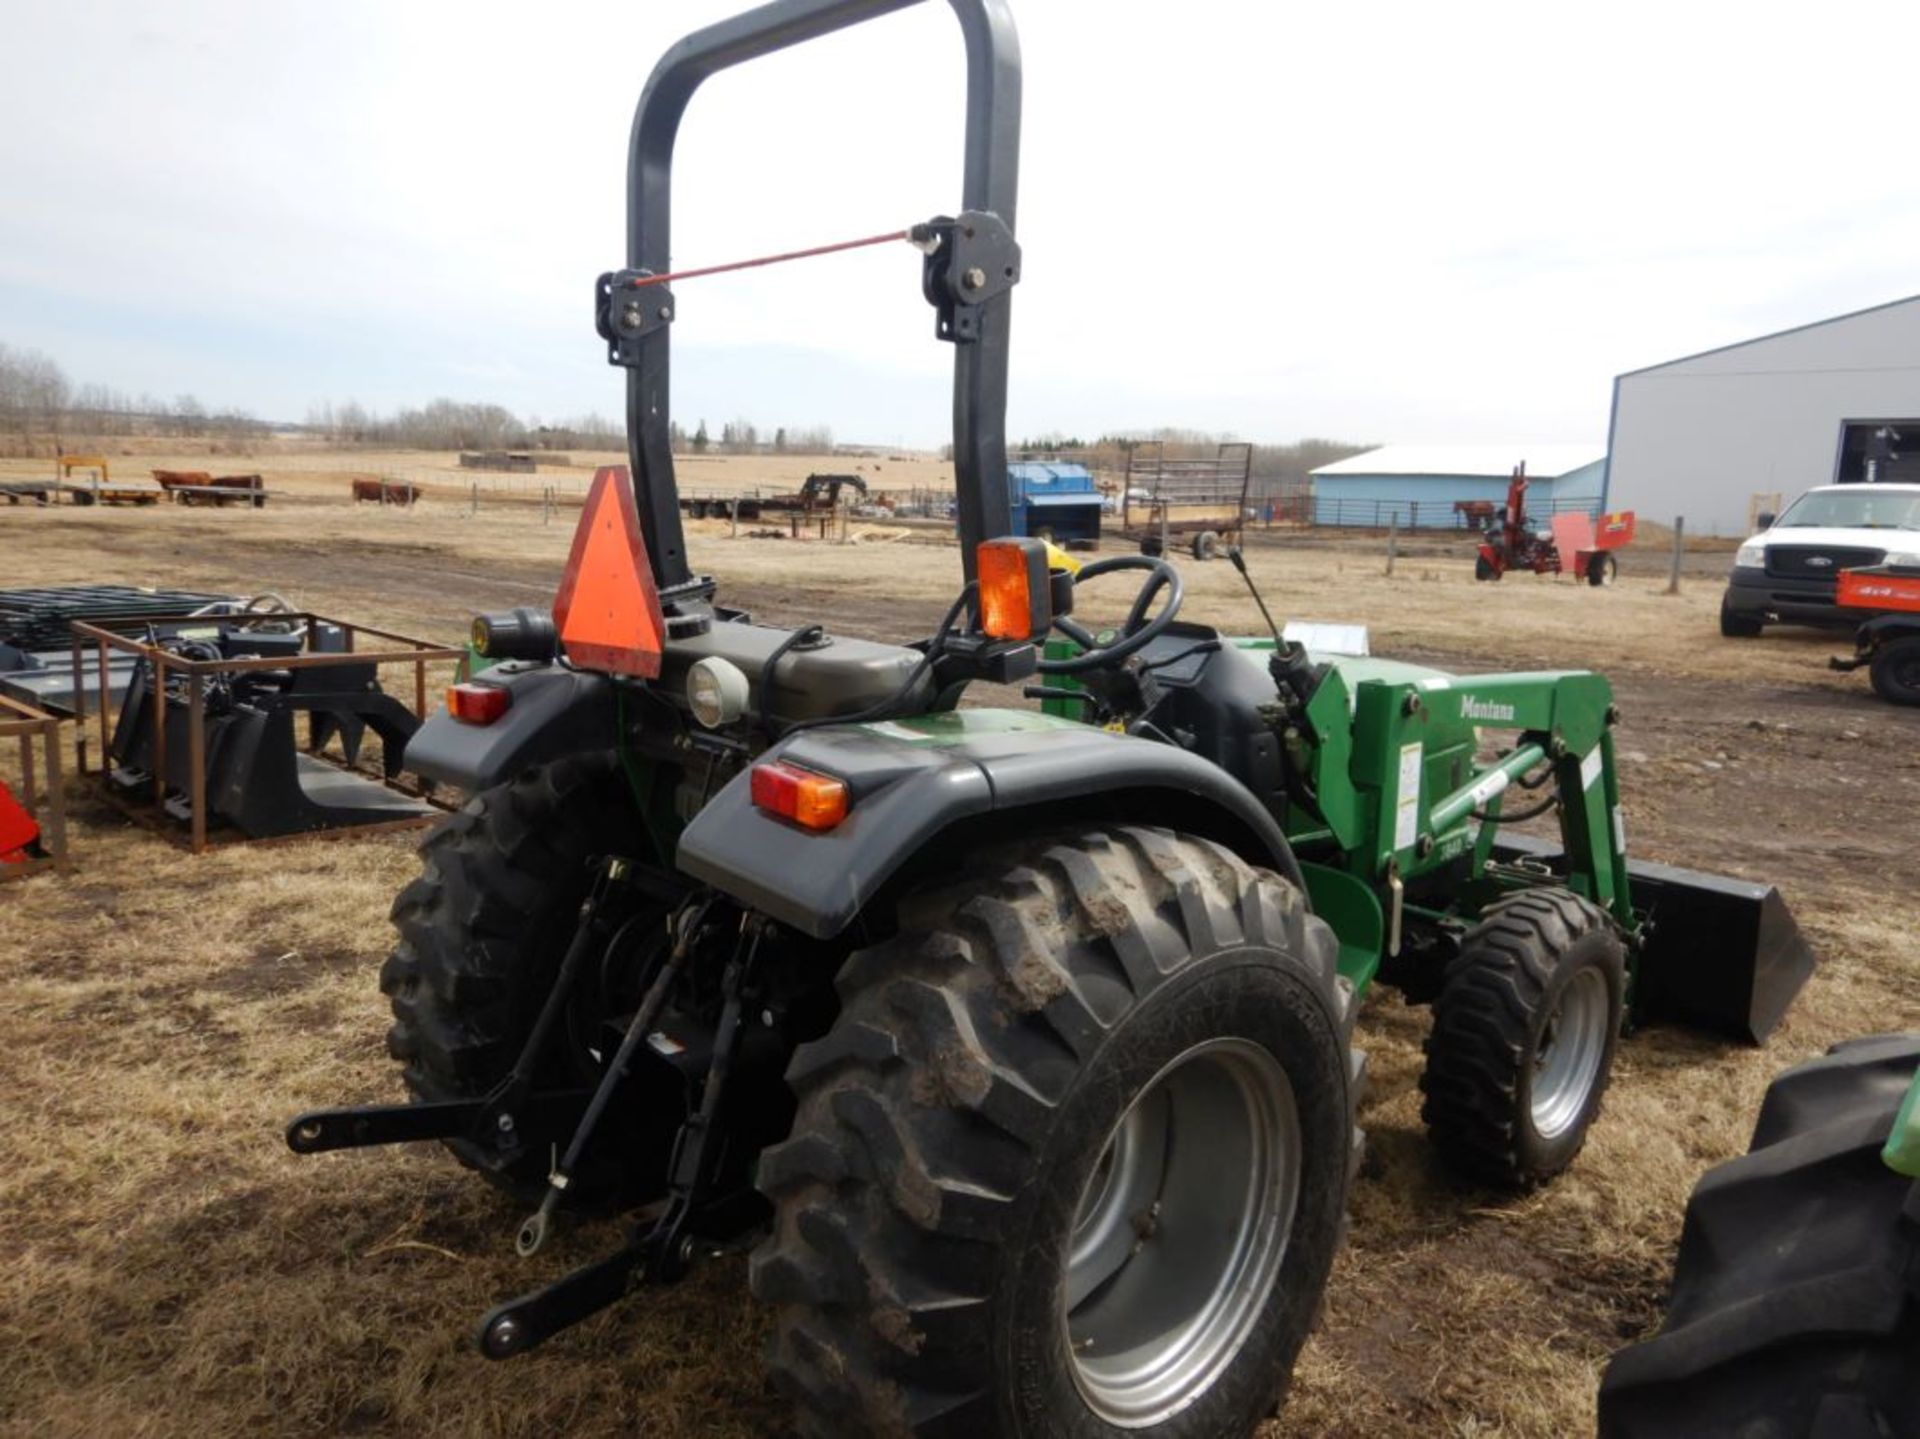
<point x="1015" y="1043"/>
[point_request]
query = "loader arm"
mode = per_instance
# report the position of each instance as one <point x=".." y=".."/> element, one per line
<point x="1401" y="790"/>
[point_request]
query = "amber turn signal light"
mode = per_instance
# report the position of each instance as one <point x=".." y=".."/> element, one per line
<point x="472" y="703"/>
<point x="809" y="799"/>
<point x="1014" y="592"/>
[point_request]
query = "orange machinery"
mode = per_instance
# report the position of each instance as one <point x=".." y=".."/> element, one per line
<point x="1577" y="542"/>
<point x="1887" y="643"/>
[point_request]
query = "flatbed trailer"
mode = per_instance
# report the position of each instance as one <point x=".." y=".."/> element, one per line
<point x="1202" y="499"/>
<point x="199" y="487"/>
<point x="112" y="492"/>
<point x="819" y="495"/>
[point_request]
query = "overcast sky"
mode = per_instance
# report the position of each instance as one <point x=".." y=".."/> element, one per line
<point x="1378" y="222"/>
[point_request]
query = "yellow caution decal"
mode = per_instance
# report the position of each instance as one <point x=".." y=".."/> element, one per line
<point x="1059" y="559"/>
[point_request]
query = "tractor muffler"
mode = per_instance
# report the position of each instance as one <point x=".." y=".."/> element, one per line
<point x="1718" y="954"/>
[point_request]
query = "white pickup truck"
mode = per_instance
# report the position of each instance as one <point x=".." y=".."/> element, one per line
<point x="1787" y="573"/>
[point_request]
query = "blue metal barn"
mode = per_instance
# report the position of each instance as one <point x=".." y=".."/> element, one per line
<point x="1419" y="485"/>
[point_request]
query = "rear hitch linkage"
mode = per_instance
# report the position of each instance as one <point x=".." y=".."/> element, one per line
<point x="511" y="1107"/>
<point x="661" y="1252"/>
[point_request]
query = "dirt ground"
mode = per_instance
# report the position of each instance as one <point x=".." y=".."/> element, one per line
<point x="175" y="1268"/>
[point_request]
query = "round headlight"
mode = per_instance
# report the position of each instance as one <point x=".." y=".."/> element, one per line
<point x="716" y="692"/>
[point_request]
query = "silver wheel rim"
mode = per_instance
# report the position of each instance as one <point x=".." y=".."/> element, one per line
<point x="1567" y="1061"/>
<point x="1180" y="1230"/>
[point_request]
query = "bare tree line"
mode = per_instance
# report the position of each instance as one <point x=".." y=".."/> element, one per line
<point x="743" y="437"/>
<point x="445" y="424"/>
<point x="41" y="410"/>
<point x="457" y="425"/>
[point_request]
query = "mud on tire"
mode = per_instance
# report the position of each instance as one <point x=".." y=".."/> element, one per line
<point x="932" y="1197"/>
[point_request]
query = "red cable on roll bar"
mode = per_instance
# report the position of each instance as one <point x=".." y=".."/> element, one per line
<point x="648" y="280"/>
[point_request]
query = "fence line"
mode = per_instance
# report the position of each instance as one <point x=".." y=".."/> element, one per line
<point x="1434" y="514"/>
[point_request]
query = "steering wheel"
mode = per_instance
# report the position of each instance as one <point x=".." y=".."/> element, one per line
<point x="1136" y="632"/>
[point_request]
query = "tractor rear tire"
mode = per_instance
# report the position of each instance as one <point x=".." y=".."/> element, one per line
<point x="1523" y="1036"/>
<point x="482" y="931"/>
<point x="1895" y="671"/>
<point x="1796" y="1295"/>
<point x="1485" y="569"/>
<point x="1602" y="569"/>
<point x="991" y="1120"/>
<point x="1736" y="626"/>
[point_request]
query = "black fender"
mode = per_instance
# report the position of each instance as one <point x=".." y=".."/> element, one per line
<point x="939" y="783"/>
<point x="1883" y="629"/>
<point x="555" y="712"/>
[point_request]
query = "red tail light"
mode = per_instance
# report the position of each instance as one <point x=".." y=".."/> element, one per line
<point x="813" y="801"/>
<point x="472" y="703"/>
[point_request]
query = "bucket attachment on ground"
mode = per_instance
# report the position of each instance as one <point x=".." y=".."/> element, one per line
<point x="256" y="779"/>
<point x="1720" y="954"/>
<point x="1724" y="954"/>
<point x="250" y="771"/>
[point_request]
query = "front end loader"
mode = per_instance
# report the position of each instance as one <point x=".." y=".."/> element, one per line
<point x="1015" y="1043"/>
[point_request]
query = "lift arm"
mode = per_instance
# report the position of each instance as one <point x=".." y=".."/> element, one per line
<point x="1410" y="795"/>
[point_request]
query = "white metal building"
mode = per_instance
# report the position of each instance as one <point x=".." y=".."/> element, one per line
<point x="1716" y="436"/>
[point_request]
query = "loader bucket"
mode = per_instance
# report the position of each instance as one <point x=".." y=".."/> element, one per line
<point x="1720" y="954"/>
<point x="1723" y="954"/>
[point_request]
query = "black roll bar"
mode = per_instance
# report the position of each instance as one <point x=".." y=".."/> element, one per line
<point x="990" y="184"/>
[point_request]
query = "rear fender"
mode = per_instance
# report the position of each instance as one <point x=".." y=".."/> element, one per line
<point x="924" y="790"/>
<point x="1883" y="629"/>
<point x="555" y="712"/>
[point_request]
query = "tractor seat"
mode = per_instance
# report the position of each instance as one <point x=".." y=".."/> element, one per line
<point x="831" y="677"/>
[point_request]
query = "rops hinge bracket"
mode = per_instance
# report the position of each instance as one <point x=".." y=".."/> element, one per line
<point x="626" y="311"/>
<point x="970" y="258"/>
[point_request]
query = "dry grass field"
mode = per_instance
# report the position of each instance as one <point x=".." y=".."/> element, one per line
<point x="175" y="1269"/>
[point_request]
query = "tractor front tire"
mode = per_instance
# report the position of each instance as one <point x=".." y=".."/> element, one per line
<point x="481" y="934"/>
<point x="1523" y="1035"/>
<point x="1074" y="1159"/>
<point x="1796" y="1295"/>
<point x="1895" y="671"/>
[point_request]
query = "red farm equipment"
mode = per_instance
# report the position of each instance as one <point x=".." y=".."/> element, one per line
<point x="1888" y="640"/>
<point x="1511" y="540"/>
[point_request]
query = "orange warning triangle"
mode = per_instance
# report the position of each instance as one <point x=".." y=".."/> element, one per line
<point x="608" y="608"/>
